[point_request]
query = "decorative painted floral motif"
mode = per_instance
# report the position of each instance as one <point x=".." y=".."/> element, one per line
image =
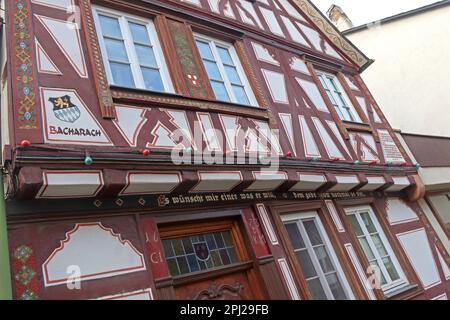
<point x="22" y="253"/>
<point x="28" y="295"/>
<point x="184" y="52"/>
<point x="26" y="103"/>
<point x="25" y="274"/>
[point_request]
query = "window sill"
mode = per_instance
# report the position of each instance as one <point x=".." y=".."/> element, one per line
<point x="164" y="99"/>
<point x="357" y="126"/>
<point x="404" y="292"/>
<point x="203" y="275"/>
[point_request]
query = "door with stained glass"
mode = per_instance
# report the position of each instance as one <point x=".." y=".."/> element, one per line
<point x="208" y="261"/>
<point x="316" y="257"/>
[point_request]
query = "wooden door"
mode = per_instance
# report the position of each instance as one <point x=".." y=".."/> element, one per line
<point x="209" y="261"/>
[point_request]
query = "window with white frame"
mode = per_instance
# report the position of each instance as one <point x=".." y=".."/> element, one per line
<point x="225" y="72"/>
<point x="376" y="248"/>
<point x="316" y="257"/>
<point x="131" y="51"/>
<point x="338" y="97"/>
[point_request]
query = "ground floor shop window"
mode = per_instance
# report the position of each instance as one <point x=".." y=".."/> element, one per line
<point x="316" y="257"/>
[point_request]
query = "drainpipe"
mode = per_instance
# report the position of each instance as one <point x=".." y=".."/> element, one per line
<point x="5" y="267"/>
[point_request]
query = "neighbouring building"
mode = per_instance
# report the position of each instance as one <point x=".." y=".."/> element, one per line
<point x="203" y="149"/>
<point x="416" y="101"/>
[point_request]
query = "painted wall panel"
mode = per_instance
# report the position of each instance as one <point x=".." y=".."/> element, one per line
<point x="67" y="38"/>
<point x="418" y="250"/>
<point x="58" y="4"/>
<point x="442" y="204"/>
<point x="96" y="251"/>
<point x="139" y="295"/>
<point x="399" y="212"/>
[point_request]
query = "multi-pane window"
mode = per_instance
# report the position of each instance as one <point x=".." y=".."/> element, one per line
<point x="338" y="97"/>
<point x="316" y="257"/>
<point x="199" y="252"/>
<point x="225" y="73"/>
<point x="131" y="52"/>
<point x="376" y="248"/>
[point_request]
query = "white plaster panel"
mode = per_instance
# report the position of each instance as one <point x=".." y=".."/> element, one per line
<point x="345" y="183"/>
<point x="138" y="295"/>
<point x="330" y="146"/>
<point x="309" y="143"/>
<point x="66" y="35"/>
<point x="217" y="181"/>
<point x="286" y="121"/>
<point x="288" y="279"/>
<point x="277" y="86"/>
<point x="296" y="36"/>
<point x="418" y="250"/>
<point x="400" y="183"/>
<point x="151" y="183"/>
<point x="267" y="181"/>
<point x="313" y="93"/>
<point x="267" y="224"/>
<point x="66" y="5"/>
<point x="309" y="182"/>
<point x="44" y="63"/>
<point x="272" y="22"/>
<point x="263" y="54"/>
<point x="96" y="251"/>
<point x="129" y="121"/>
<point x="374" y="183"/>
<point x="70" y="184"/>
<point x="399" y="212"/>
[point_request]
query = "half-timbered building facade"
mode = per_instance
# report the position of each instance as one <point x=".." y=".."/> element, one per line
<point x="203" y="149"/>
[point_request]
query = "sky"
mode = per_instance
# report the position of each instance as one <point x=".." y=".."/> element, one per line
<point x="365" y="11"/>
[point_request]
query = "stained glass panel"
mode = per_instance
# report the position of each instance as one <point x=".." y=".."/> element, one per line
<point x="195" y="253"/>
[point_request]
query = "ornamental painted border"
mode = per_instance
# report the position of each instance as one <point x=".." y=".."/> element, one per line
<point x="338" y="39"/>
<point x="99" y="76"/>
<point x="25" y="97"/>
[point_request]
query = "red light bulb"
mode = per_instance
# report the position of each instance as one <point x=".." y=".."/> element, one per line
<point x="25" y="143"/>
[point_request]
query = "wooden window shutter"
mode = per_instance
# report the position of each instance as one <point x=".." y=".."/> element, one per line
<point x="184" y="63"/>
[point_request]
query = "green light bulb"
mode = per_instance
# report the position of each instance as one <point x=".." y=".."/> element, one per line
<point x="88" y="161"/>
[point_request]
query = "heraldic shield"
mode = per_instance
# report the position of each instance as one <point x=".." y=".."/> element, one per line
<point x="201" y="251"/>
<point x="64" y="109"/>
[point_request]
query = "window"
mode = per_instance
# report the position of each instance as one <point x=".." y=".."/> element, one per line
<point x="376" y="248"/>
<point x="225" y="73"/>
<point x="338" y="97"/>
<point x="316" y="257"/>
<point x="132" y="55"/>
<point x="199" y="252"/>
